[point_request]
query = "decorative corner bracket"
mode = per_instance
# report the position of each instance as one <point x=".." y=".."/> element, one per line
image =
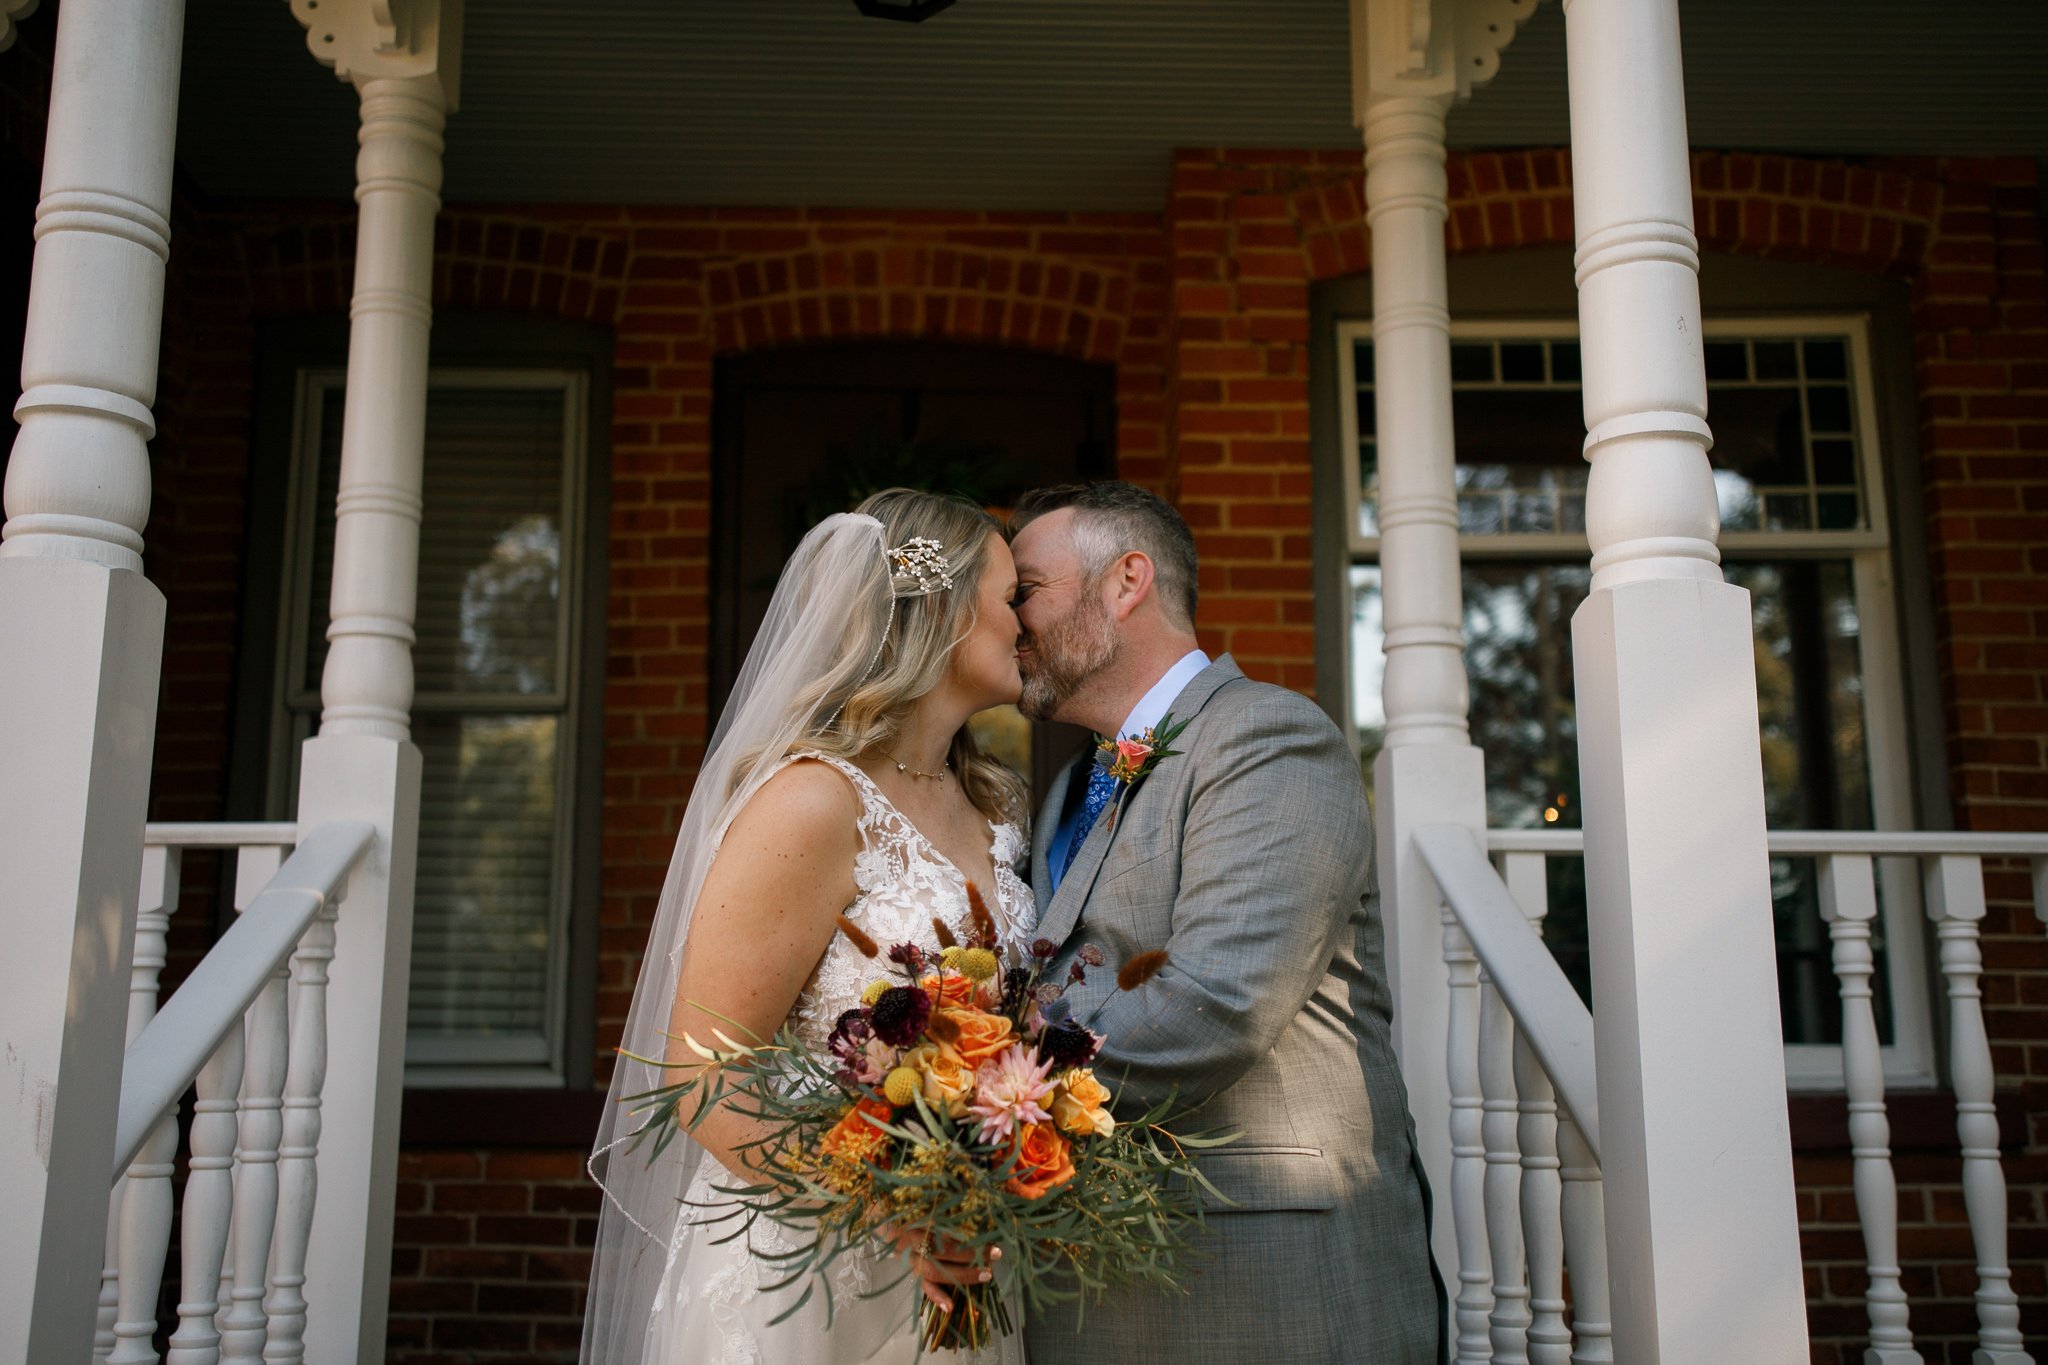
<point x="11" y="13"/>
<point x="367" y="40"/>
<point x="1442" y="49"/>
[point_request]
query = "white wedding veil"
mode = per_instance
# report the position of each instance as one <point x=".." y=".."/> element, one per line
<point x="824" y="631"/>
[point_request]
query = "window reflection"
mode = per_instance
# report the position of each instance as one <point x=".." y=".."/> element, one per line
<point x="1782" y="411"/>
<point x="1518" y="659"/>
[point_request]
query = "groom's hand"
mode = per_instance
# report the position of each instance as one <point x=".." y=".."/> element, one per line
<point x="941" y="1264"/>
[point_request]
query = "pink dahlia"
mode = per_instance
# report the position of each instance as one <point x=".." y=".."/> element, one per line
<point x="1012" y="1088"/>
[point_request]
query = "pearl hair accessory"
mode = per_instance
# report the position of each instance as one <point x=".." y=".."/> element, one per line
<point x="920" y="568"/>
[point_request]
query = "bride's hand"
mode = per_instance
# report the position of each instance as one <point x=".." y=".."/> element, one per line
<point x="941" y="1265"/>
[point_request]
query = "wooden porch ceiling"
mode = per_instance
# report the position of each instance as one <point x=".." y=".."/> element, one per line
<point x="1042" y="104"/>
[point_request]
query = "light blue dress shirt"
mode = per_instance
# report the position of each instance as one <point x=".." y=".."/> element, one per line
<point x="1152" y="708"/>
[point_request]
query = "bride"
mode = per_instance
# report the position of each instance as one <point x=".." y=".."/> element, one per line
<point x="841" y="779"/>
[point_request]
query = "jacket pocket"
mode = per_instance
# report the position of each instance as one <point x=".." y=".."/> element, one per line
<point x="1266" y="1179"/>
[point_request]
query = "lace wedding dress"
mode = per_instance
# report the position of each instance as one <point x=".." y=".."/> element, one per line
<point x="712" y="1308"/>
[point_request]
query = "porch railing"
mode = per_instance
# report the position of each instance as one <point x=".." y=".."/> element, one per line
<point x="248" y="1029"/>
<point x="1525" y="1181"/>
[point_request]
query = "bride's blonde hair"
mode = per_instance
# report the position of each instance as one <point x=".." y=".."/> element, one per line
<point x="861" y="703"/>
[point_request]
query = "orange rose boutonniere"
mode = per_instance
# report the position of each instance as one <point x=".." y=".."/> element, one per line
<point x="1130" y="760"/>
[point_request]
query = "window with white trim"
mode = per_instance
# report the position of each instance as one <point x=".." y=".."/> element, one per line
<point x="495" y="707"/>
<point x="1804" y="528"/>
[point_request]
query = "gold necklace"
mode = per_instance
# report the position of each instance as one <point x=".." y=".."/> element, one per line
<point x="903" y="767"/>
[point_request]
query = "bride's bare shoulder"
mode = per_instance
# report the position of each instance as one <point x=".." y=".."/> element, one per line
<point x="807" y="801"/>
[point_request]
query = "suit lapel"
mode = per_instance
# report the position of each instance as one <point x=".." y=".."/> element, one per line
<point x="1064" y="911"/>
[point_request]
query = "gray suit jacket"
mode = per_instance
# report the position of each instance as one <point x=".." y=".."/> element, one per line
<point x="1248" y="857"/>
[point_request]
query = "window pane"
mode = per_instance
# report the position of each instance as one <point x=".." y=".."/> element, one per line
<point x="1782" y="433"/>
<point x="1518" y="659"/>
<point x="493" y="725"/>
<point x="1472" y="361"/>
<point x="490" y="590"/>
<point x="1368" y="664"/>
<point x="483" y="902"/>
<point x="1520" y="464"/>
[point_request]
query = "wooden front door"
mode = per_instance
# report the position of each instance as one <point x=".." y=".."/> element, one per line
<point x="804" y="431"/>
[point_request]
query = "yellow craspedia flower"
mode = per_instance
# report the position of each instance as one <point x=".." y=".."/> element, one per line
<point x="978" y="964"/>
<point x="873" y="992"/>
<point x="950" y="958"/>
<point x="902" y="1084"/>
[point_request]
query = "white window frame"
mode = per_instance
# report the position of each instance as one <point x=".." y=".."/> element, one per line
<point x="295" y="707"/>
<point x="1909" y="1059"/>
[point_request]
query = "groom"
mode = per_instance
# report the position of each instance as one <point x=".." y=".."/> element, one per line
<point x="1247" y="855"/>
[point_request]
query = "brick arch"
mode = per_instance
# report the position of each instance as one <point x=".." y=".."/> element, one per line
<point x="482" y="261"/>
<point x="1796" y="208"/>
<point x="925" y="290"/>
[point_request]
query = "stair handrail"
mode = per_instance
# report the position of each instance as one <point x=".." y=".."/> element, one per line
<point x="165" y="1057"/>
<point x="1546" y="1009"/>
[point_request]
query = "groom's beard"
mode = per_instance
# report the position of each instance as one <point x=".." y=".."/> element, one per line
<point x="1067" y="656"/>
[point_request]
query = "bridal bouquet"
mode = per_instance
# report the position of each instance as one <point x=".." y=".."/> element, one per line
<point x="958" y="1105"/>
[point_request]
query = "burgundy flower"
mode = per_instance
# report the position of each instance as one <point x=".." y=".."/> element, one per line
<point x="1043" y="948"/>
<point x="900" y="1014"/>
<point x="1067" y="1044"/>
<point x="851" y="1034"/>
<point x="908" y="955"/>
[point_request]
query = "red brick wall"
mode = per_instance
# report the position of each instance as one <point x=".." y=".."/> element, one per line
<point x="1204" y="309"/>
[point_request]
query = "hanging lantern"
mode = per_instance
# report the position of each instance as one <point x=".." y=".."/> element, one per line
<point x="906" y="11"/>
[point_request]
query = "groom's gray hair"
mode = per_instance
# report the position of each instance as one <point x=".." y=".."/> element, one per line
<point x="1112" y="519"/>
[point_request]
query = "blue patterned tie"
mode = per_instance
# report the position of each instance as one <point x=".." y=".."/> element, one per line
<point x="1101" y="787"/>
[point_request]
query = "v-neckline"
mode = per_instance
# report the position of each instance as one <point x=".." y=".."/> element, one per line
<point x="994" y="835"/>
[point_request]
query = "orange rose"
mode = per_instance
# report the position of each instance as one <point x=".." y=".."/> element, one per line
<point x="950" y="990"/>
<point x="855" y="1136"/>
<point x="1081" y="1105"/>
<point x="948" y="1079"/>
<point x="1045" y="1161"/>
<point x="981" y="1036"/>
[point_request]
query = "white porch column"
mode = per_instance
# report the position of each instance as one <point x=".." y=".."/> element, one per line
<point x="403" y="60"/>
<point x="81" y="633"/>
<point x="1702" y="1231"/>
<point x="1409" y="64"/>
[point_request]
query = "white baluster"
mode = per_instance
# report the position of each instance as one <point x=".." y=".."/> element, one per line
<point x="1955" y="902"/>
<point x="1550" y="1340"/>
<point x="1848" y="902"/>
<point x="161" y="880"/>
<point x="1468" y="1150"/>
<point x="243" y="1327"/>
<point x="1508" y="1324"/>
<point x="298" y="1169"/>
<point x="255" y="865"/>
<point x="1585" y="1247"/>
<point x="110" y="1277"/>
<point x="209" y="1205"/>
<point x="142" y="1233"/>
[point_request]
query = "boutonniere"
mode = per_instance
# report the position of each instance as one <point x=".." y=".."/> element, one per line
<point x="1130" y="760"/>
